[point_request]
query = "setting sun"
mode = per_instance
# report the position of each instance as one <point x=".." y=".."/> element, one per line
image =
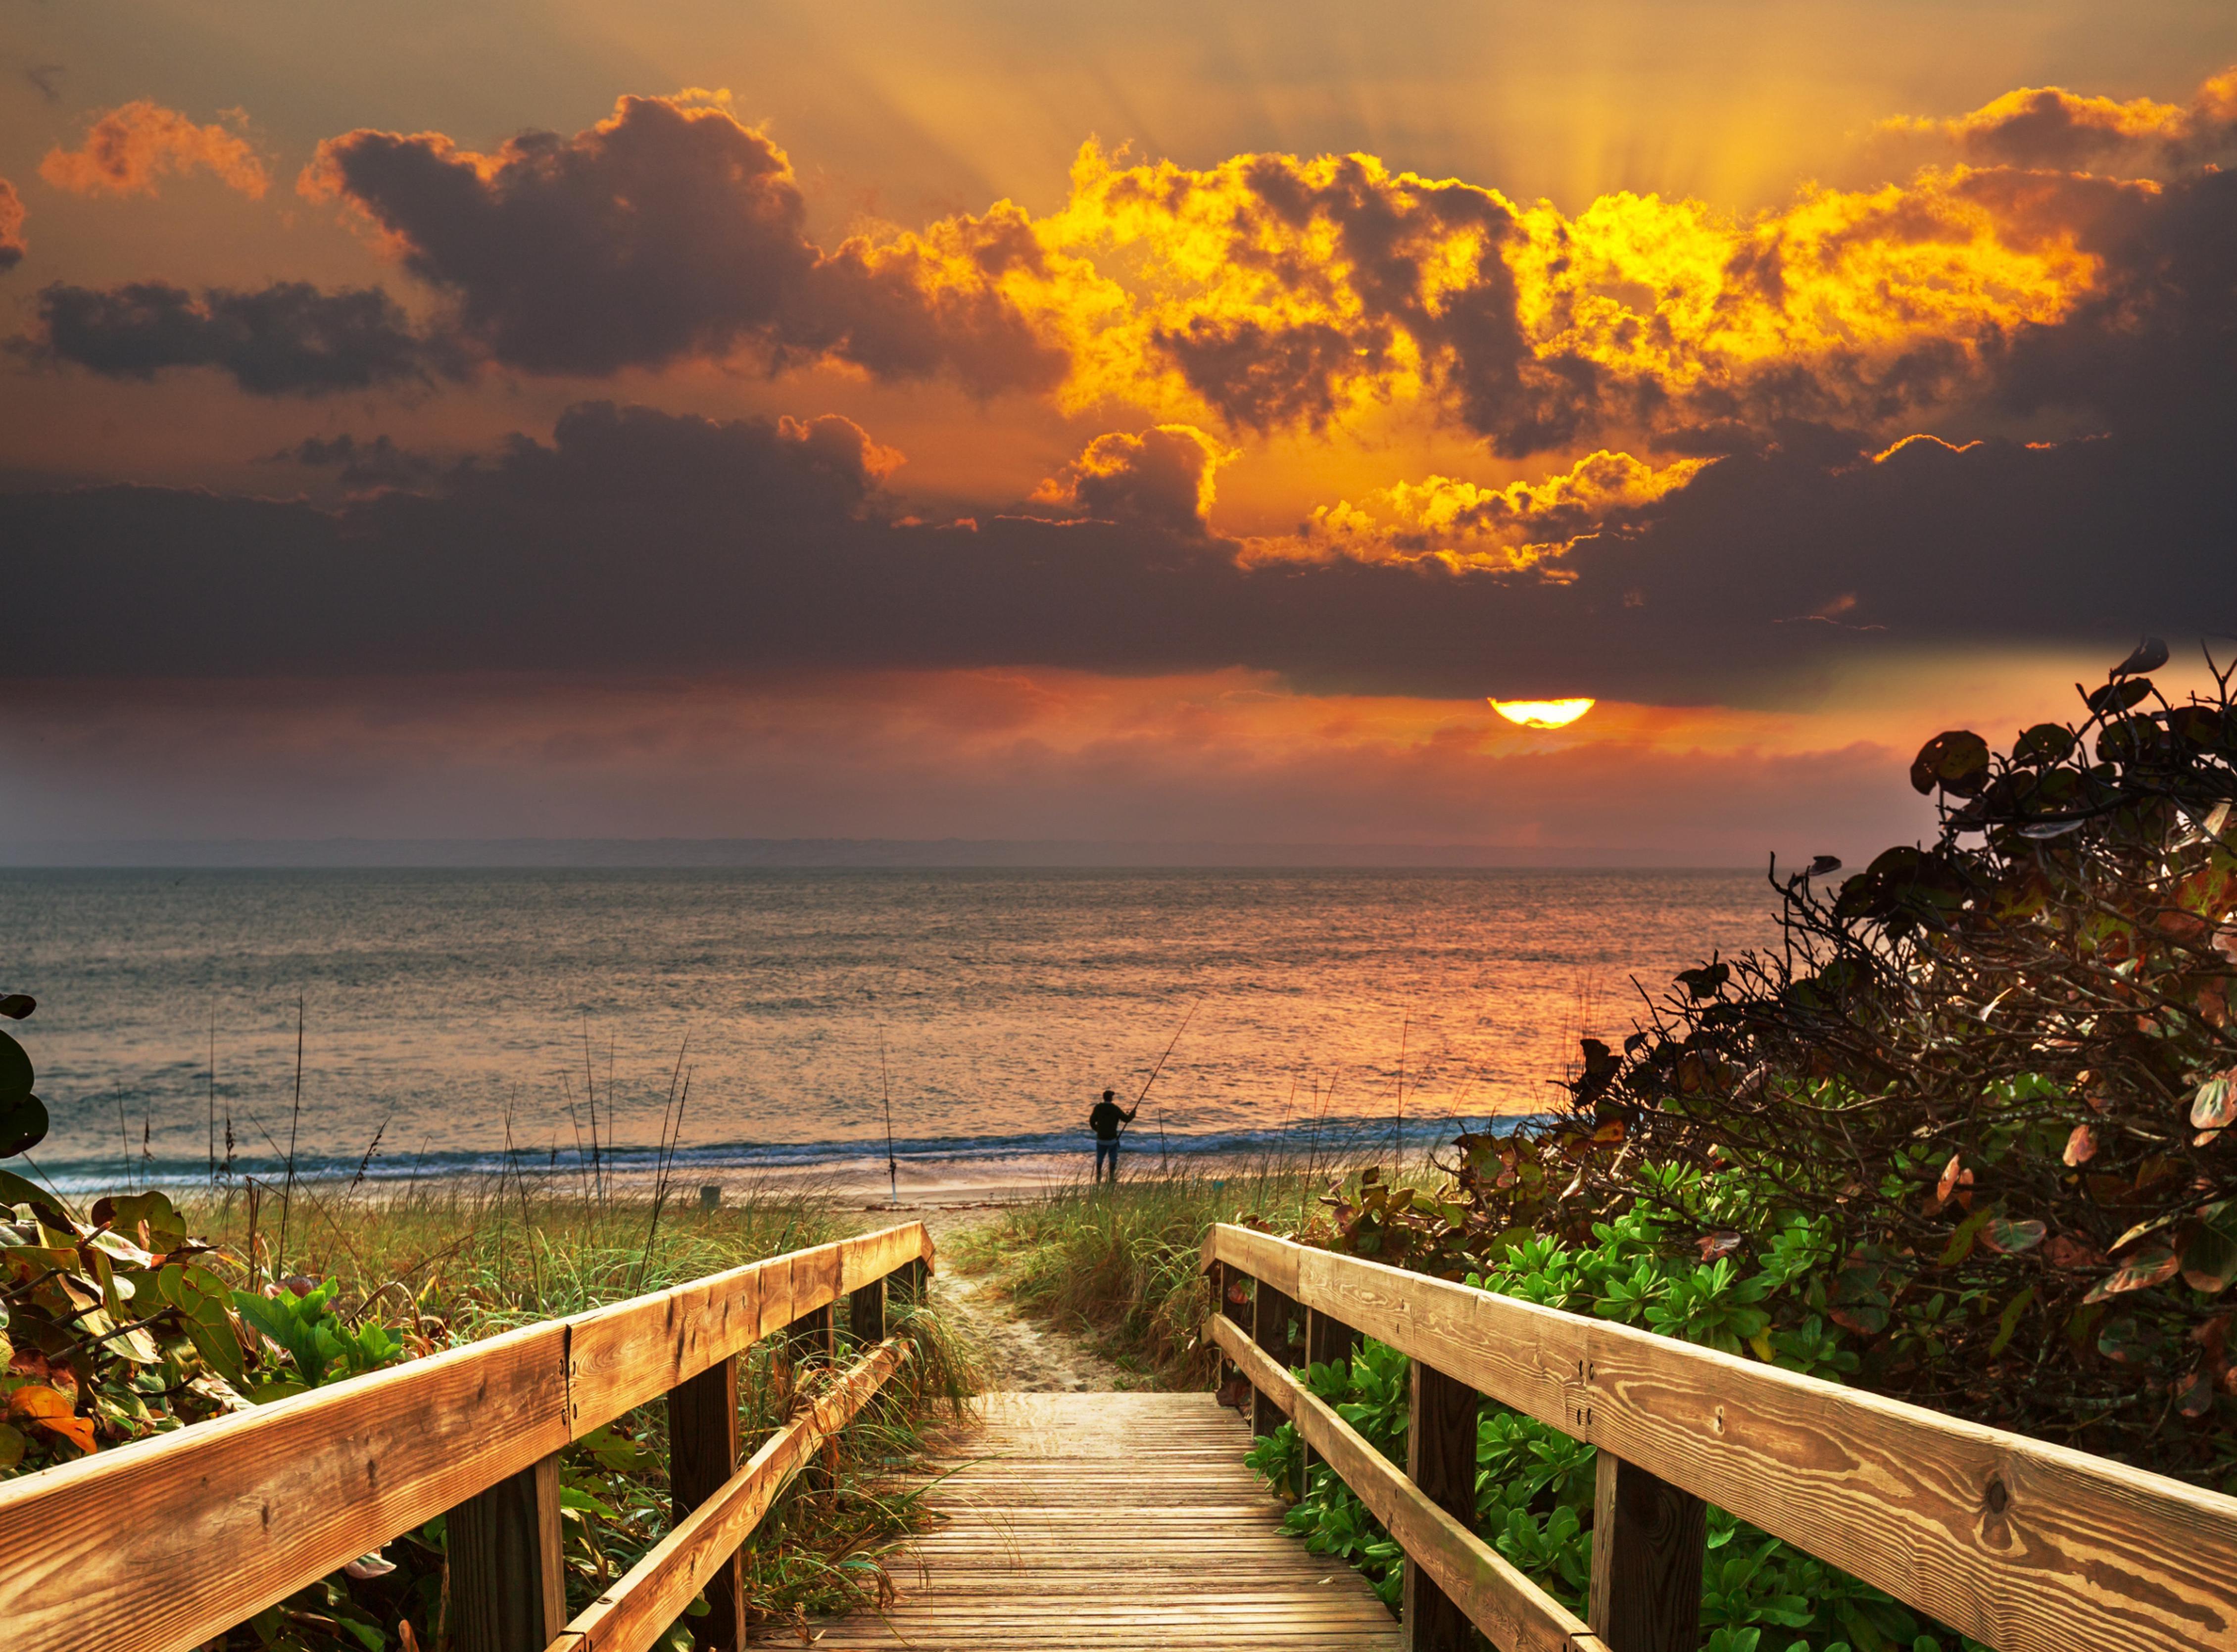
<point x="1542" y="714"/>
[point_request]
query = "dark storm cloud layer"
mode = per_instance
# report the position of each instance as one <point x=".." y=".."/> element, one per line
<point x="288" y="337"/>
<point x="641" y="541"/>
<point x="669" y="231"/>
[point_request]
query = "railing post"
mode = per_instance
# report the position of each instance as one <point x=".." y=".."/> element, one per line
<point x="1328" y="1341"/>
<point x="907" y="1281"/>
<point x="1649" y="1539"/>
<point x="866" y="1314"/>
<point x="508" y="1593"/>
<point x="1270" y="1312"/>
<point x="702" y="1453"/>
<point x="1441" y="1462"/>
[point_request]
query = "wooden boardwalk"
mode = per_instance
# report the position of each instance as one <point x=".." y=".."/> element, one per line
<point x="1111" y="1521"/>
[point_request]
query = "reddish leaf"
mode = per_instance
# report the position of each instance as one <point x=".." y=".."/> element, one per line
<point x="2067" y="1252"/>
<point x="51" y="1410"/>
<point x="2153" y="1267"/>
<point x="1716" y="1244"/>
<point x="2081" y="1146"/>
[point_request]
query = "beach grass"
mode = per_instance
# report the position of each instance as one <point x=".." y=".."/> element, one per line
<point x="1119" y="1267"/>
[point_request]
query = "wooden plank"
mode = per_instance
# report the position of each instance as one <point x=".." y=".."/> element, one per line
<point x="1512" y="1612"/>
<point x="1441" y="1462"/>
<point x="290" y="1491"/>
<point x="633" y="1353"/>
<point x="284" y="1494"/>
<point x="508" y="1587"/>
<point x="2023" y="1545"/>
<point x="702" y="1455"/>
<point x="652" y="1595"/>
<point x="1260" y="1255"/>
<point x="1107" y="1521"/>
<point x="1649" y="1539"/>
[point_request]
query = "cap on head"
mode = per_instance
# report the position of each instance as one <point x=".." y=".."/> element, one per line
<point x="1107" y="1094"/>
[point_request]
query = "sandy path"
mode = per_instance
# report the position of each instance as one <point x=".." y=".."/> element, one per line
<point x="1021" y="1354"/>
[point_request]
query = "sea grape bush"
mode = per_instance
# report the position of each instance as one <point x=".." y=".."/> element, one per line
<point x="1997" y="1075"/>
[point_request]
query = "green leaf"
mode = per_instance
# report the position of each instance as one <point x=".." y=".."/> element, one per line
<point x="2214" y="1107"/>
<point x="2209" y="1259"/>
<point x="2008" y="1321"/>
<point x="2009" y="1239"/>
<point x="1957" y="761"/>
<point x="1961" y="1241"/>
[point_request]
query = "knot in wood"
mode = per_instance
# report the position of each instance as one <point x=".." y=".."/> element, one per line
<point x="1998" y="1498"/>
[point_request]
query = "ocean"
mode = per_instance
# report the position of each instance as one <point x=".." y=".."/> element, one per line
<point x="460" y="1019"/>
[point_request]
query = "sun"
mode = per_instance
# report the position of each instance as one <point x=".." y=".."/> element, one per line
<point x="1542" y="714"/>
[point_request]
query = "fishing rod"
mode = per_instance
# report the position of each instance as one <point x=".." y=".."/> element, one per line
<point x="893" y="1170"/>
<point x="1152" y="1079"/>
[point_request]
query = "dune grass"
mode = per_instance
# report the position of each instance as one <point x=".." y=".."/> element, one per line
<point x="1117" y="1266"/>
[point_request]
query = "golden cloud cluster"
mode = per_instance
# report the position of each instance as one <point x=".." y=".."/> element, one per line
<point x="1273" y="292"/>
<point x="129" y="148"/>
<point x="1520" y="527"/>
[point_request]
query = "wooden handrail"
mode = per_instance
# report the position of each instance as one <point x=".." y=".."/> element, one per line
<point x="2024" y="1546"/>
<point x="167" y="1542"/>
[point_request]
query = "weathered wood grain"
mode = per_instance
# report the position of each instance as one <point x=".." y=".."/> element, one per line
<point x="1119" y="1521"/>
<point x="2025" y="1546"/>
<point x="1512" y="1612"/>
<point x="1649" y="1539"/>
<point x="651" y="1596"/>
<point x="634" y="1351"/>
<point x="170" y="1542"/>
<point x="508" y="1590"/>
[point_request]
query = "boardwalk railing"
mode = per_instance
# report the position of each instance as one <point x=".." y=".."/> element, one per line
<point x="2024" y="1546"/>
<point x="167" y="1543"/>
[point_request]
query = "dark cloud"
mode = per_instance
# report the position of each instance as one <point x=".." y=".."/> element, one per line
<point x="12" y="245"/>
<point x="1160" y="479"/>
<point x="378" y="463"/>
<point x="635" y="540"/>
<point x="46" y="80"/>
<point x="671" y="231"/>
<point x="2047" y="127"/>
<point x="287" y="339"/>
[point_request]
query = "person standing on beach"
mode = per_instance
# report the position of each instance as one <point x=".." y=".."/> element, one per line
<point x="1107" y="1119"/>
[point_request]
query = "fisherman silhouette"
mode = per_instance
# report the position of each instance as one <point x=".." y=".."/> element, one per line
<point x="1107" y="1120"/>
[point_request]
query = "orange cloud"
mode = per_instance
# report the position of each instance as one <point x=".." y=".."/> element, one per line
<point x="129" y="149"/>
<point x="1161" y="478"/>
<point x="1468" y="528"/>
<point x="12" y="245"/>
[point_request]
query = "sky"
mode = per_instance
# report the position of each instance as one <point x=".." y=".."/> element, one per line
<point x="1156" y="424"/>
